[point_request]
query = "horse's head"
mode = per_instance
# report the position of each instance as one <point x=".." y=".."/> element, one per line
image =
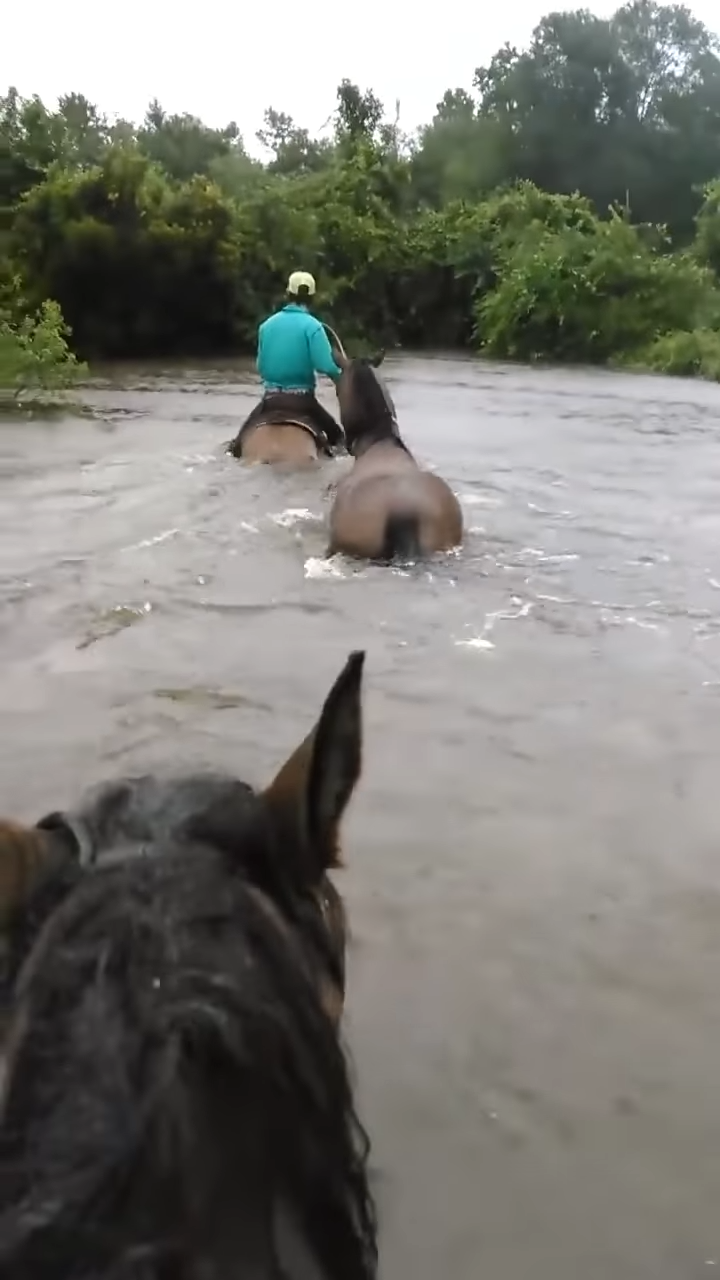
<point x="298" y="814"/>
<point x="366" y="406"/>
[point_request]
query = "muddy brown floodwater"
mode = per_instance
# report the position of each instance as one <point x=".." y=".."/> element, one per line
<point x="534" y="854"/>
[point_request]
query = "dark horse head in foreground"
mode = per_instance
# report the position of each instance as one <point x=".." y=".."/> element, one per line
<point x="388" y="506"/>
<point x="176" y="1104"/>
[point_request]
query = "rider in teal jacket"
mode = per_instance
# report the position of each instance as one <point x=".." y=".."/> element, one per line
<point x="292" y="347"/>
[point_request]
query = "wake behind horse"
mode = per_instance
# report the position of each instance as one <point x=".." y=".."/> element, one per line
<point x="176" y="1103"/>
<point x="387" y="507"/>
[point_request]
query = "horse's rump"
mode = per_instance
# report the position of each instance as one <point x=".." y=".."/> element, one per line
<point x="282" y="409"/>
<point x="388" y="506"/>
<point x="393" y="511"/>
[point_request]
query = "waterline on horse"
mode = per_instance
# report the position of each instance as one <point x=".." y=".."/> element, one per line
<point x="388" y="507"/>
<point x="176" y="1098"/>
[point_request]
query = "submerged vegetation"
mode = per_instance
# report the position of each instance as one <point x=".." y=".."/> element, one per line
<point x="566" y="208"/>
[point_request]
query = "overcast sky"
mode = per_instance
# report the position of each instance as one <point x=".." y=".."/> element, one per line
<point x="228" y="61"/>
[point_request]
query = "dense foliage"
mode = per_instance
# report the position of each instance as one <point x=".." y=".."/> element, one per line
<point x="568" y="207"/>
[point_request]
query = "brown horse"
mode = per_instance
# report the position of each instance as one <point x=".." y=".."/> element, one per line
<point x="387" y="507"/>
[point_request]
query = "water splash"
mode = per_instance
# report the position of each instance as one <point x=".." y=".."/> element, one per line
<point x="111" y="621"/>
<point x="320" y="567"/>
<point x="482" y="640"/>
<point x="292" y="516"/>
<point x="475" y="642"/>
<point x="154" y="541"/>
<point x="478" y="500"/>
<point x="543" y="558"/>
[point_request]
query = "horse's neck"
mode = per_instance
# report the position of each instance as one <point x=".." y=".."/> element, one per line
<point x="379" y="437"/>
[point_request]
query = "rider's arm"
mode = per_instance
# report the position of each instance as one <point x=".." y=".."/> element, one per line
<point x="321" y="354"/>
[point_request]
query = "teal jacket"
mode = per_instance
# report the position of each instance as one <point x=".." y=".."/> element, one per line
<point x="292" y="347"/>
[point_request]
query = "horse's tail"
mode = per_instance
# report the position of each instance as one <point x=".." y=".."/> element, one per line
<point x="402" y="537"/>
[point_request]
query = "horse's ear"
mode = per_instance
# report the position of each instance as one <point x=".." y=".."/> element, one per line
<point x="29" y="857"/>
<point x="314" y="786"/>
<point x="377" y="359"/>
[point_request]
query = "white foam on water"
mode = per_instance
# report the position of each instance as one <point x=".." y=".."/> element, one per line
<point x="543" y="558"/>
<point x="475" y="642"/>
<point x="483" y="641"/>
<point x="292" y="516"/>
<point x="247" y="527"/>
<point x="321" y="567"/>
<point x="478" y="500"/>
<point x="640" y="622"/>
<point x="153" y="542"/>
<point x="502" y="615"/>
<point x="546" y="511"/>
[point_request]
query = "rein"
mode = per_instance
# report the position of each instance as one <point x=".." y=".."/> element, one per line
<point x="329" y="329"/>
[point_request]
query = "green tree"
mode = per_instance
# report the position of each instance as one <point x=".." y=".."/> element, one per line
<point x="35" y="357"/>
<point x="587" y="292"/>
<point x="182" y="144"/>
<point x="707" y="240"/>
<point x="459" y="155"/>
<point x="27" y="148"/>
<point x="620" y="109"/>
<point x="292" y="149"/>
<point x="138" y="263"/>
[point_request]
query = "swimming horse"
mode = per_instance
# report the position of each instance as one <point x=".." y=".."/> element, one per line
<point x="176" y="1103"/>
<point x="388" y="506"/>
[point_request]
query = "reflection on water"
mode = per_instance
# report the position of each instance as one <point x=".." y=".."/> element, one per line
<point x="533" y="873"/>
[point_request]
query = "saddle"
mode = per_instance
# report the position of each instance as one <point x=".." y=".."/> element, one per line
<point x="283" y="418"/>
<point x="280" y="409"/>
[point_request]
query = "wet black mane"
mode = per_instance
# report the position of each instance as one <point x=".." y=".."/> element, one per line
<point x="369" y="419"/>
<point x="178" y="1104"/>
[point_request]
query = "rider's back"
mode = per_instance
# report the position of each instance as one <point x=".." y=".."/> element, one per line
<point x="285" y="358"/>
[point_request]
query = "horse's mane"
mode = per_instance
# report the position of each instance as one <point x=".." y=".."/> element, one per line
<point x="175" y="1081"/>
